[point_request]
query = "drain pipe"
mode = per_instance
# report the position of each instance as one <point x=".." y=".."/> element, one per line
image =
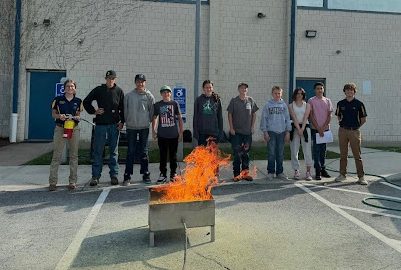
<point x="292" y="79"/>
<point x="17" y="43"/>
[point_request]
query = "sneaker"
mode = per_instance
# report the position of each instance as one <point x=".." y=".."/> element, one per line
<point x="126" y="182"/>
<point x="362" y="181"/>
<point x="72" y="186"/>
<point x="340" y="178"/>
<point x="270" y="176"/>
<point x="317" y="177"/>
<point x="282" y="176"/>
<point x="236" y="177"/>
<point x="247" y="178"/>
<point x="52" y="187"/>
<point x="162" y="178"/>
<point x="325" y="174"/>
<point x="297" y="175"/>
<point x="114" y="180"/>
<point x="172" y="177"/>
<point x="308" y="176"/>
<point x="127" y="176"/>
<point x="94" y="181"/>
<point x="146" y="178"/>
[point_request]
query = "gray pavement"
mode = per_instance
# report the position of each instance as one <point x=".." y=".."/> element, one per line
<point x="259" y="225"/>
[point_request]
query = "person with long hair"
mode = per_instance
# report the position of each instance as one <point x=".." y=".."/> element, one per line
<point x="208" y="118"/>
<point x="300" y="133"/>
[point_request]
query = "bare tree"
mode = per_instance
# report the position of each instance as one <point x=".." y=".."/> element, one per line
<point x="75" y="27"/>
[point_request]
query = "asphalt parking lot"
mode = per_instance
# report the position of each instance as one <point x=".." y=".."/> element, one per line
<point x="259" y="225"/>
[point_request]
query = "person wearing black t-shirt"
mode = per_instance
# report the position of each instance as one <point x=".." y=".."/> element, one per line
<point x="351" y="114"/>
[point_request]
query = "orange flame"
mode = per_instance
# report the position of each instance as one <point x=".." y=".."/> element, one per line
<point x="198" y="178"/>
<point x="246" y="175"/>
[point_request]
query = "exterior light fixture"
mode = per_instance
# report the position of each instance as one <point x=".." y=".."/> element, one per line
<point x="46" y="22"/>
<point x="261" y="15"/>
<point x="310" y="33"/>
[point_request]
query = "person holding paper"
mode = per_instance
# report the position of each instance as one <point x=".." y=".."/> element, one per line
<point x="320" y="117"/>
<point x="351" y="114"/>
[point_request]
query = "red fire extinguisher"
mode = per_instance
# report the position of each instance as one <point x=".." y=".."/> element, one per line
<point x="69" y="125"/>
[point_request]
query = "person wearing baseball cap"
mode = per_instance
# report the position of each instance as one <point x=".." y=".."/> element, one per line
<point x="138" y="107"/>
<point x="109" y="121"/>
<point x="241" y="119"/>
<point x="167" y="128"/>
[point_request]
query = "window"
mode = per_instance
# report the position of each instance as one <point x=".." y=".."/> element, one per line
<point x="366" y="5"/>
<point x="310" y="3"/>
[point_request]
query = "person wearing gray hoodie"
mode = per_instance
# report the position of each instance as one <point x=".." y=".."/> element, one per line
<point x="276" y="125"/>
<point x="139" y="114"/>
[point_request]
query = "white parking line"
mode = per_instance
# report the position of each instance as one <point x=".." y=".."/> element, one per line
<point x="368" y="211"/>
<point x="390" y="185"/>
<point x="72" y="250"/>
<point x="390" y="242"/>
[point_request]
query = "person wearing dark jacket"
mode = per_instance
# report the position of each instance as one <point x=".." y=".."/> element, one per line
<point x="208" y="117"/>
<point x="109" y="121"/>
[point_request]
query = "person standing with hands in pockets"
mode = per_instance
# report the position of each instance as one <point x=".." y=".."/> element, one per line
<point x="276" y="126"/>
<point x="321" y="109"/>
<point x="64" y="108"/>
<point x="241" y="119"/>
<point x="109" y="121"/>
<point x="167" y="128"/>
<point x="351" y="115"/>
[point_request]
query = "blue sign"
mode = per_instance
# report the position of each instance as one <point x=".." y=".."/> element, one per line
<point x="59" y="89"/>
<point x="179" y="95"/>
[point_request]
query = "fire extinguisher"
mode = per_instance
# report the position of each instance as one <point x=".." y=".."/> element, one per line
<point x="69" y="125"/>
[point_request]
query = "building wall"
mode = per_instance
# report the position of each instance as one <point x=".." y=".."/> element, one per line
<point x="356" y="47"/>
<point x="6" y="48"/>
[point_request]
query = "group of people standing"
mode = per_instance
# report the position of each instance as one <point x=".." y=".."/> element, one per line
<point x="137" y="110"/>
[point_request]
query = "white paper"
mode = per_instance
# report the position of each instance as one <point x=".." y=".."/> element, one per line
<point x="367" y="87"/>
<point x="327" y="137"/>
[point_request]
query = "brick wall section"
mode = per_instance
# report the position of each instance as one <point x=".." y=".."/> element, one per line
<point x="370" y="51"/>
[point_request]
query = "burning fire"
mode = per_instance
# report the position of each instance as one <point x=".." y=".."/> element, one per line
<point x="198" y="178"/>
<point x="246" y="175"/>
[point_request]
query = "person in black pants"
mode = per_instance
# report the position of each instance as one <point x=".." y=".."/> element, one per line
<point x="167" y="127"/>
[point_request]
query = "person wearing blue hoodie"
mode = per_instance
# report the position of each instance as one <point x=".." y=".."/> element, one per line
<point x="276" y="126"/>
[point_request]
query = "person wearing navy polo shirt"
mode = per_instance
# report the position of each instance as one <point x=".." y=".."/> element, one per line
<point x="351" y="114"/>
<point x="109" y="121"/>
<point x="63" y="108"/>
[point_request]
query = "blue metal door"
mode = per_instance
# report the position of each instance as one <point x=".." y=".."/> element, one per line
<point x="42" y="87"/>
<point x="307" y="85"/>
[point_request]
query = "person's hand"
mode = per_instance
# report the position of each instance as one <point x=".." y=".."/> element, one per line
<point x="266" y="136"/>
<point x="232" y="131"/>
<point x="154" y="135"/>
<point x="120" y="126"/>
<point x="180" y="136"/>
<point x="99" y="111"/>
<point x="252" y="130"/>
<point x="287" y="137"/>
<point x="62" y="117"/>
<point x="77" y="118"/>
<point x="300" y="132"/>
<point x="321" y="132"/>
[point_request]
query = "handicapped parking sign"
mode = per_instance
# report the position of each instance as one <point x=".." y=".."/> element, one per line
<point x="59" y="89"/>
<point x="179" y="95"/>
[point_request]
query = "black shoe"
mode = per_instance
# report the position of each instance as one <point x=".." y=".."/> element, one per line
<point x="317" y="177"/>
<point x="127" y="177"/>
<point x="162" y="178"/>
<point x="146" y="178"/>
<point x="94" y="181"/>
<point x="114" y="180"/>
<point x="172" y="177"/>
<point x="324" y="173"/>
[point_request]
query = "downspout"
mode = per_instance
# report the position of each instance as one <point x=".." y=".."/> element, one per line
<point x="17" y="45"/>
<point x="292" y="78"/>
<point x="197" y="41"/>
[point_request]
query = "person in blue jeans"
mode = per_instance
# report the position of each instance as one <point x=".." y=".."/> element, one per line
<point x="138" y="108"/>
<point x="109" y="121"/>
<point x="276" y="126"/>
<point x="241" y="119"/>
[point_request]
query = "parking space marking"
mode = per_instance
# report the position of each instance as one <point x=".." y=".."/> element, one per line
<point x="390" y="242"/>
<point x="368" y="211"/>
<point x="72" y="250"/>
<point x="353" y="191"/>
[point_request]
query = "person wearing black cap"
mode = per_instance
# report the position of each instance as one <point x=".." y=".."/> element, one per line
<point x="241" y="119"/>
<point x="109" y="121"/>
<point x="167" y="127"/>
<point x="138" y="108"/>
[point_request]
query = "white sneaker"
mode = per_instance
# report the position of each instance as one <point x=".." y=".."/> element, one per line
<point x="340" y="178"/>
<point x="282" y="176"/>
<point x="308" y="176"/>
<point x="270" y="176"/>
<point x="362" y="181"/>
<point x="297" y="175"/>
<point x="162" y="179"/>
